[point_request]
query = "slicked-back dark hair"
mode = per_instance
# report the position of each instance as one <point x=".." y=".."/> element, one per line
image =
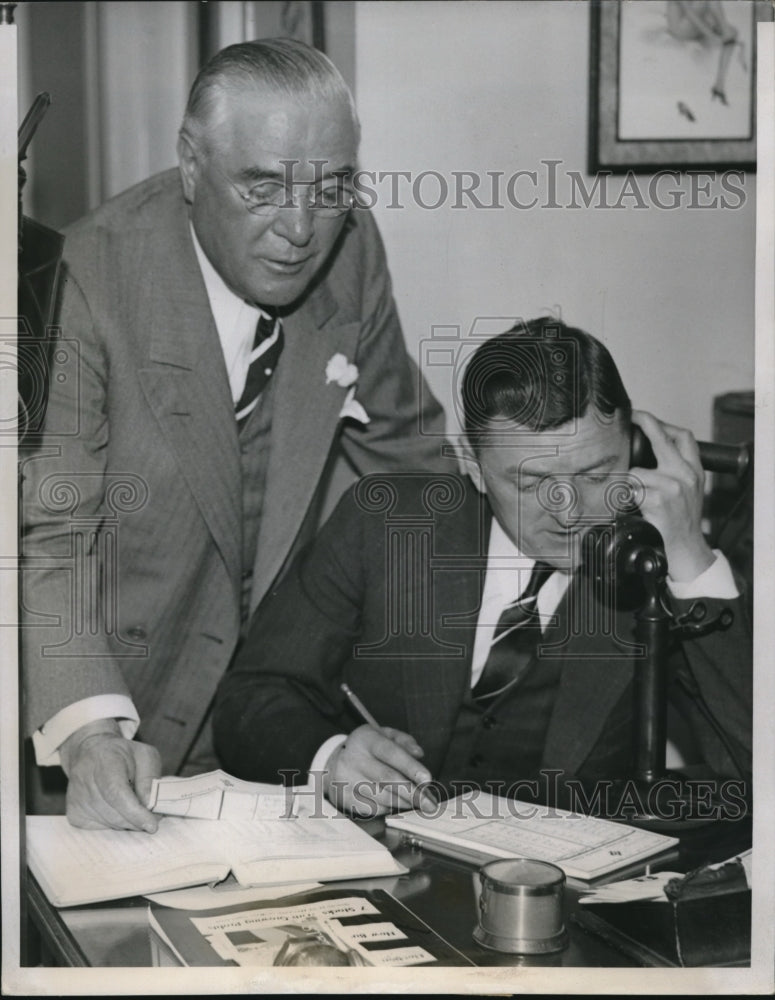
<point x="538" y="376"/>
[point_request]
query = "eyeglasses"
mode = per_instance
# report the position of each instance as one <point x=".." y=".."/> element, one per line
<point x="329" y="199"/>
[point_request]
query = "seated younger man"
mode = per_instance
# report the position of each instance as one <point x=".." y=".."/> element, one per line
<point x="406" y="596"/>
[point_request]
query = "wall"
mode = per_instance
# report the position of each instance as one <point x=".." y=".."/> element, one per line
<point x="118" y="73"/>
<point x="503" y="86"/>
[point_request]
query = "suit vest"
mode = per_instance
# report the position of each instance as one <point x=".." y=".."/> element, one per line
<point x="254" y="459"/>
<point x="503" y="743"/>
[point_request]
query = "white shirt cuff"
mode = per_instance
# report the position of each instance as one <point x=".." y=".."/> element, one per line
<point x="320" y="759"/>
<point x="52" y="734"/>
<point x="716" y="581"/>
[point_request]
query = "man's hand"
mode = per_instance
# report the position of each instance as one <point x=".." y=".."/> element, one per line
<point x="674" y="495"/>
<point x="375" y="771"/>
<point x="109" y="778"/>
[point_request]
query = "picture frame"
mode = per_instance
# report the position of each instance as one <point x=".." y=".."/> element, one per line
<point x="671" y="90"/>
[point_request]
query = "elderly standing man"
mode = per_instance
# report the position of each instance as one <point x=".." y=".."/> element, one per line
<point x="225" y="328"/>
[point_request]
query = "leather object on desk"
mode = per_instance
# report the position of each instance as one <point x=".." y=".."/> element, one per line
<point x="709" y="931"/>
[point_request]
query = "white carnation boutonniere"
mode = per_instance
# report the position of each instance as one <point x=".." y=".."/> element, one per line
<point x="340" y="370"/>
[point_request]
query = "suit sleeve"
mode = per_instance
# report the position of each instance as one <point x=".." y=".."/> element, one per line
<point x="281" y="699"/>
<point x="406" y="428"/>
<point x="715" y="687"/>
<point x="65" y="655"/>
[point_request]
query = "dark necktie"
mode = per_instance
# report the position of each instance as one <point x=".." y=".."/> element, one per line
<point x="515" y="639"/>
<point x="267" y="346"/>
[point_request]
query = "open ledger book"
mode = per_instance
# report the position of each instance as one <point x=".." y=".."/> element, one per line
<point x="479" y="827"/>
<point x="317" y="844"/>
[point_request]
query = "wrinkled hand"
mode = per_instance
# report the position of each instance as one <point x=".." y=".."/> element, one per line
<point x="674" y="494"/>
<point x="375" y="771"/>
<point x="109" y="778"/>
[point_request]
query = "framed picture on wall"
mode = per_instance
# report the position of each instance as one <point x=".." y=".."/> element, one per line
<point x="673" y="83"/>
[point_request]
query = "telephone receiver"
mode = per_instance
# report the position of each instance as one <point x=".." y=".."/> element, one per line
<point x="611" y="551"/>
<point x="734" y="459"/>
<point x="641" y="452"/>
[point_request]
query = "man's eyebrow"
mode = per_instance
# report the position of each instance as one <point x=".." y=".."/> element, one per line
<point x="538" y="474"/>
<point x="256" y="175"/>
<point x="598" y="466"/>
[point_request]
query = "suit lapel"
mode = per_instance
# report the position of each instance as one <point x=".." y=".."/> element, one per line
<point x="596" y="670"/>
<point x="434" y="688"/>
<point x="305" y="417"/>
<point x="186" y="385"/>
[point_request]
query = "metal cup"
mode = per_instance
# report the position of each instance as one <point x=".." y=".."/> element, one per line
<point x="520" y="907"/>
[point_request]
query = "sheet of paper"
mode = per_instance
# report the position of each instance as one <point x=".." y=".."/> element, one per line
<point x="396" y="957"/>
<point x="371" y="932"/>
<point x="351" y="906"/>
<point x="206" y="897"/>
<point x="358" y="938"/>
<point x="216" y="795"/>
<point x="644" y="887"/>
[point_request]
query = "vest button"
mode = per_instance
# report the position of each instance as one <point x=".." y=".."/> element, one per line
<point x="477" y="760"/>
<point x="489" y="721"/>
<point x="136" y="632"/>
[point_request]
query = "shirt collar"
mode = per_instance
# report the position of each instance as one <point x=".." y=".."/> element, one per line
<point x="502" y="545"/>
<point x="505" y="562"/>
<point x="225" y="304"/>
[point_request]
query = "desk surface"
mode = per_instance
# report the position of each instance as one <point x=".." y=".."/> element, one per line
<point x="438" y="890"/>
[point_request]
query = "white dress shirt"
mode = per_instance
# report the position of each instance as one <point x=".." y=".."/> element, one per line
<point x="235" y="321"/>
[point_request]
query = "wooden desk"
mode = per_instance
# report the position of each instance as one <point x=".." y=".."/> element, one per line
<point x="438" y="890"/>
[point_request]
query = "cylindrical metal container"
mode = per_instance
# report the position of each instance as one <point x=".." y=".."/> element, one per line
<point x="520" y="907"/>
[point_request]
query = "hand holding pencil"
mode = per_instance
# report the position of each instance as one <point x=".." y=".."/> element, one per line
<point x="377" y="769"/>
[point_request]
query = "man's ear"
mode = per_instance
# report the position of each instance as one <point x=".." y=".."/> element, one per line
<point x="469" y="464"/>
<point x="189" y="165"/>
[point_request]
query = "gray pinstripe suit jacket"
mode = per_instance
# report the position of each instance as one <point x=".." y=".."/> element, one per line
<point x="387" y="598"/>
<point x="133" y="492"/>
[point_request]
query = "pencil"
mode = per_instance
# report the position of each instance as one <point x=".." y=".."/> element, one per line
<point x="359" y="707"/>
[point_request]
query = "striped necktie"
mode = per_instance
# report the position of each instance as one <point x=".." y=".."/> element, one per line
<point x="515" y="639"/>
<point x="267" y="346"/>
